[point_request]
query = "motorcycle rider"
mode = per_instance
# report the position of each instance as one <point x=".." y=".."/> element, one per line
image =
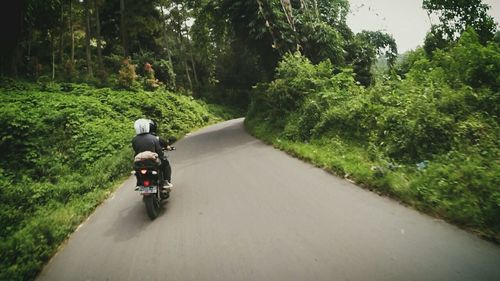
<point x="146" y="140"/>
<point x="167" y="169"/>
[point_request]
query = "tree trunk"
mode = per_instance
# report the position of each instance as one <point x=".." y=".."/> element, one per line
<point x="268" y="25"/>
<point x="165" y="39"/>
<point x="192" y="59"/>
<point x="16" y="61"/>
<point x="87" y="39"/>
<point x="29" y="47"/>
<point x="303" y="5"/>
<point x="123" y="30"/>
<point x="53" y="50"/>
<point x="61" y="36"/>
<point x="287" y="9"/>
<point x="98" y="35"/>
<point x="72" y="31"/>
<point x="194" y="69"/>
<point x="188" y="76"/>
<point x="11" y="30"/>
<point x="181" y="44"/>
<point x="316" y="8"/>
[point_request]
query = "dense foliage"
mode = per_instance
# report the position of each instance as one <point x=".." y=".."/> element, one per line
<point x="456" y="16"/>
<point x="423" y="128"/>
<point x="64" y="147"/>
<point x="216" y="50"/>
<point x="437" y="128"/>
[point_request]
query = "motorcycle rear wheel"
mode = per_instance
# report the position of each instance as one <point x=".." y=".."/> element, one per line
<point x="152" y="206"/>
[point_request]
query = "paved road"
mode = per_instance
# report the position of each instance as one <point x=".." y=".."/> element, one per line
<point x="242" y="210"/>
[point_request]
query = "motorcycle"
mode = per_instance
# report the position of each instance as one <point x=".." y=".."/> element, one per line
<point x="150" y="181"/>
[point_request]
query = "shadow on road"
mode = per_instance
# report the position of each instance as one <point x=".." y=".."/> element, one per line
<point x="132" y="221"/>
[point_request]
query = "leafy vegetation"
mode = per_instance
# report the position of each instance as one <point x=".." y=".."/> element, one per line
<point x="431" y="139"/>
<point x="423" y="129"/>
<point x="216" y="50"/>
<point x="65" y="147"/>
<point x="456" y="16"/>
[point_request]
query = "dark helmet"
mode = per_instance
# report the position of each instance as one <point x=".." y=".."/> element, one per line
<point x="153" y="127"/>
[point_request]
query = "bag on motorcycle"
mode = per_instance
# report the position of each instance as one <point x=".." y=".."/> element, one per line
<point x="147" y="155"/>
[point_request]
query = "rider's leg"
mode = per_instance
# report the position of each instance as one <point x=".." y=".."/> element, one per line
<point x="167" y="172"/>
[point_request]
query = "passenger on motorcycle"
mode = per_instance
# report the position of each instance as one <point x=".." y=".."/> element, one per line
<point x="153" y="128"/>
<point x="147" y="140"/>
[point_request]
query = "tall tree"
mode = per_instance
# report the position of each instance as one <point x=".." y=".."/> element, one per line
<point x="72" y="31"/>
<point x="288" y="10"/>
<point x="98" y="38"/>
<point x="456" y="15"/>
<point x="61" y="35"/>
<point x="87" y="39"/>
<point x="190" y="51"/>
<point x="363" y="50"/>
<point x="143" y="26"/>
<point x="383" y="43"/>
<point x="123" y="28"/>
<point x="179" y="18"/>
<point x="11" y="29"/>
<point x="42" y="23"/>
<point x="53" y="56"/>
<point x="170" y="66"/>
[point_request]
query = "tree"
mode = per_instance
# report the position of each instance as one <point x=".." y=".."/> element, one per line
<point x="196" y="43"/>
<point x="11" y="27"/>
<point x="320" y="25"/>
<point x="72" y="31"/>
<point x="143" y="26"/>
<point x="169" y="66"/>
<point x="333" y="12"/>
<point x="383" y="43"/>
<point x="363" y="49"/>
<point x="456" y="15"/>
<point x="88" y="54"/>
<point x="42" y="23"/>
<point x="435" y="39"/>
<point x="123" y="28"/>
<point x="101" y="71"/>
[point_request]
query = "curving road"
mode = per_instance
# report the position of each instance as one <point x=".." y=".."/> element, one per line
<point x="242" y="210"/>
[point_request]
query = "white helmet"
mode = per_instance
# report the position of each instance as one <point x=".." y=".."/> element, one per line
<point x="141" y="126"/>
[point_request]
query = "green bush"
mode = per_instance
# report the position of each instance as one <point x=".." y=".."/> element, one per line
<point x="127" y="76"/>
<point x="432" y="138"/>
<point x="464" y="188"/>
<point x="410" y="125"/>
<point x="63" y="151"/>
<point x="296" y="78"/>
<point x="150" y="81"/>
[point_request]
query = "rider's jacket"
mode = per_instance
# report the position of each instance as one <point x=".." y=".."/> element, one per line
<point x="146" y="142"/>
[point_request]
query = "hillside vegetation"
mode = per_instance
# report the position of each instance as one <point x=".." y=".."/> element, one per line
<point x="423" y="129"/>
<point x="64" y="149"/>
<point x="430" y="139"/>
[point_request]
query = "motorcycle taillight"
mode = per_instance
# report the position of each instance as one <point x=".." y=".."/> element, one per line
<point x="146" y="183"/>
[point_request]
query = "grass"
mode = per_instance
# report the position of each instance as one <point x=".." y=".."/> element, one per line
<point x="418" y="188"/>
<point x="73" y="147"/>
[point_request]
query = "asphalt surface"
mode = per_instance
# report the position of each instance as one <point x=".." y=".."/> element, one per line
<point x="241" y="210"/>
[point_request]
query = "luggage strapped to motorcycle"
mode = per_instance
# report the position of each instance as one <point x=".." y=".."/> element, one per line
<point x="147" y="159"/>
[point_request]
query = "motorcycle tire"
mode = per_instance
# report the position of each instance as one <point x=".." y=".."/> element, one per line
<point x="152" y="206"/>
